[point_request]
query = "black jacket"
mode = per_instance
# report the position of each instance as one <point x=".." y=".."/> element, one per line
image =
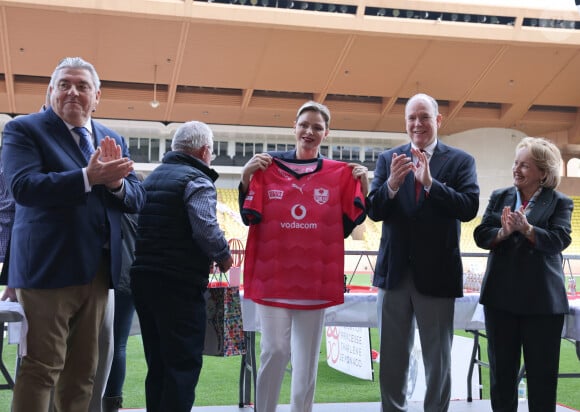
<point x="521" y="277"/>
<point x="165" y="246"/>
<point x="423" y="237"/>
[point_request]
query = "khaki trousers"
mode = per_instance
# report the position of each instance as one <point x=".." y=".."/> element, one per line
<point x="62" y="342"/>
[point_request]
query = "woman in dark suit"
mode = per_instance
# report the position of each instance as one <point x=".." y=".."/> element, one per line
<point x="526" y="227"/>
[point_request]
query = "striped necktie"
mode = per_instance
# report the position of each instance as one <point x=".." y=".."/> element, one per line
<point x="85" y="142"/>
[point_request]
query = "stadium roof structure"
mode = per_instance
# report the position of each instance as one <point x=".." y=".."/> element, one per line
<point x="509" y="64"/>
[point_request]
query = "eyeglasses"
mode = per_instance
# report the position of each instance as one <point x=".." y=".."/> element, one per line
<point x="65" y="86"/>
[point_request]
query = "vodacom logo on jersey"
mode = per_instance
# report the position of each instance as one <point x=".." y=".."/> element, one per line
<point x="298" y="213"/>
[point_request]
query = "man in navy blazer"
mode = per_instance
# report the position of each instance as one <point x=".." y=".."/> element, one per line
<point x="66" y="240"/>
<point x="421" y="192"/>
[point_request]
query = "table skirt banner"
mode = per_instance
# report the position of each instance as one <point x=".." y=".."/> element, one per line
<point x="224" y="335"/>
<point x="572" y="320"/>
<point x="13" y="313"/>
<point x="360" y="310"/>
<point x="348" y="350"/>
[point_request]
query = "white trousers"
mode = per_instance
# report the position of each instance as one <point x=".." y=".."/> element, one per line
<point x="288" y="335"/>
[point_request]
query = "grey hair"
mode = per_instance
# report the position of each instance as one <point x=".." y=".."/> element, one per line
<point x="312" y="106"/>
<point x="191" y="136"/>
<point x="76" y="63"/>
<point x="427" y="98"/>
<point x="547" y="158"/>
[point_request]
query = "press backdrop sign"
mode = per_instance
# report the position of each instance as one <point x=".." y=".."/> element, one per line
<point x="349" y="351"/>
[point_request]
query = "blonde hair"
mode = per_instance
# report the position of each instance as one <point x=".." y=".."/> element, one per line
<point x="547" y="158"/>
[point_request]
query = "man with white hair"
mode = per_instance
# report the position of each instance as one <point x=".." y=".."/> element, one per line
<point x="178" y="238"/>
<point x="421" y="192"/>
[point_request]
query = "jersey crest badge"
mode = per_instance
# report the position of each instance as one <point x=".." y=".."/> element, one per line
<point x="321" y="195"/>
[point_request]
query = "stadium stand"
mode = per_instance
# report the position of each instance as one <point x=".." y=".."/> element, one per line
<point x="229" y="216"/>
<point x="574" y="248"/>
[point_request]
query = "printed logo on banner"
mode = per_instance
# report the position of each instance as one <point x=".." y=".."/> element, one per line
<point x="348" y="350"/>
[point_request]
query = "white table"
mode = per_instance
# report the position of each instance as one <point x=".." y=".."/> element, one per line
<point x="10" y="312"/>
<point x="360" y="310"/>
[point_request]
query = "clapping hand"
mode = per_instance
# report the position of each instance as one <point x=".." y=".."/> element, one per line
<point x="107" y="166"/>
<point x="401" y="165"/>
<point x="513" y="221"/>
<point x="421" y="168"/>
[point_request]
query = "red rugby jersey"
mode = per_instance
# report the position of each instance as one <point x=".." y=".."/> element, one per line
<point x="299" y="213"/>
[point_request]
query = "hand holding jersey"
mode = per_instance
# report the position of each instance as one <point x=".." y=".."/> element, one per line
<point x="259" y="161"/>
<point x="361" y="173"/>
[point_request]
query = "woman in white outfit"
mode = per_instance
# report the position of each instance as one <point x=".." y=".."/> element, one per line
<point x="288" y="190"/>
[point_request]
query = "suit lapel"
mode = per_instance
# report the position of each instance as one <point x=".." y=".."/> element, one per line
<point x="438" y="160"/>
<point x="541" y="207"/>
<point x="61" y="136"/>
<point x="510" y="199"/>
<point x="97" y="134"/>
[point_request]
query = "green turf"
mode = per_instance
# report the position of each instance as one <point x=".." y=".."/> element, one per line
<point x="221" y="376"/>
<point x="332" y="386"/>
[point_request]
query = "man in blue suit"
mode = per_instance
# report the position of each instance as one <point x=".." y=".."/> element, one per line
<point x="66" y="241"/>
<point x="421" y="192"/>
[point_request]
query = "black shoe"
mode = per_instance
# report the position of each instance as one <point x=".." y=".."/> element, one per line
<point x="112" y="404"/>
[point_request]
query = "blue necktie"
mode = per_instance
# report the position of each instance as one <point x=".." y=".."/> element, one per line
<point x="85" y="142"/>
